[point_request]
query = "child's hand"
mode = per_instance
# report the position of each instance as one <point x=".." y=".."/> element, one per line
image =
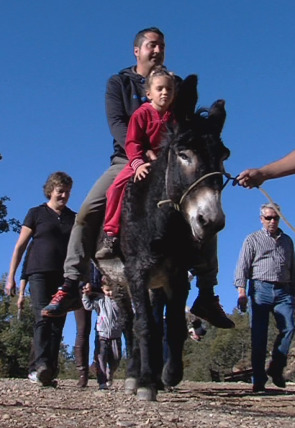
<point x="150" y="154"/>
<point x="142" y="171"/>
<point x="87" y="289"/>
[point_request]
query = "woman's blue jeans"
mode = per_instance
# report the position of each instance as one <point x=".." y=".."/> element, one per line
<point x="266" y="297"/>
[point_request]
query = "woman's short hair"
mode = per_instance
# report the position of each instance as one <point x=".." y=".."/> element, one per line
<point x="56" y="179"/>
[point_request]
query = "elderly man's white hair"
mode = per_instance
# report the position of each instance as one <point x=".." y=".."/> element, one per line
<point x="273" y="206"/>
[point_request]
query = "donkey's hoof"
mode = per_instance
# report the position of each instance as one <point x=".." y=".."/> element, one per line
<point x="172" y="375"/>
<point x="130" y="385"/>
<point x="146" y="394"/>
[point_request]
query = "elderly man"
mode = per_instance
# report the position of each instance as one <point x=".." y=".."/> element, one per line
<point x="267" y="261"/>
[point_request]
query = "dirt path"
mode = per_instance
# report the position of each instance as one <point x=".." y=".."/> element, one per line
<point x="190" y="405"/>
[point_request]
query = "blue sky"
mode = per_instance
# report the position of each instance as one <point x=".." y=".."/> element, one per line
<point x="56" y="56"/>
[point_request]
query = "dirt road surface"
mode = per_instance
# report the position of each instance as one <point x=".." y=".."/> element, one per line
<point x="191" y="404"/>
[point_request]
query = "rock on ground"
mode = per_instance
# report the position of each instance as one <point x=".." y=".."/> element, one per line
<point x="191" y="404"/>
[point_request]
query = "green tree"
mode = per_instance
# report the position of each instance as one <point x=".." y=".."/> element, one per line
<point x="66" y="361"/>
<point x="222" y="352"/>
<point x="196" y="357"/>
<point x="219" y="352"/>
<point x="15" y="335"/>
<point x="7" y="224"/>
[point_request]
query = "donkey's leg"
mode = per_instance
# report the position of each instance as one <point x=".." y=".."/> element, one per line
<point x="176" y="332"/>
<point x="158" y="302"/>
<point x="128" y="324"/>
<point x="133" y="354"/>
<point x="143" y="329"/>
<point x="133" y="369"/>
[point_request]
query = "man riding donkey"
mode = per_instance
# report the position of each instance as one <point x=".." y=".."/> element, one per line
<point x="124" y="94"/>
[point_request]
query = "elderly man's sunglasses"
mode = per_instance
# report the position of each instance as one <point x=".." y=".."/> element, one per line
<point x="269" y="218"/>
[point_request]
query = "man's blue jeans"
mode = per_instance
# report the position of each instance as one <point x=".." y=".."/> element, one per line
<point x="266" y="297"/>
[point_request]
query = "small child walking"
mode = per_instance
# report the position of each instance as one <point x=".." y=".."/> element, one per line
<point x="109" y="328"/>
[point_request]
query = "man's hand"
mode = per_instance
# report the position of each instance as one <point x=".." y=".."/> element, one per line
<point x="242" y="300"/>
<point x="250" y="178"/>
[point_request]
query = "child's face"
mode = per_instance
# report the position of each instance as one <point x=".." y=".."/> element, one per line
<point x="108" y="291"/>
<point x="161" y="92"/>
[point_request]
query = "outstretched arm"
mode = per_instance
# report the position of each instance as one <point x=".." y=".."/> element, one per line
<point x="280" y="168"/>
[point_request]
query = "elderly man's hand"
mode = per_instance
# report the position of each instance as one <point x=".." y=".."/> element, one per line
<point x="242" y="299"/>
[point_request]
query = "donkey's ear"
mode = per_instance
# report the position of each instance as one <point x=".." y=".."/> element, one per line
<point x="186" y="98"/>
<point x="217" y="116"/>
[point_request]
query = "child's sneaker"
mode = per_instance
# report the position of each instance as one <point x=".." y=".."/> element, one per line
<point x="44" y="375"/>
<point x="33" y="377"/>
<point x="103" y="387"/>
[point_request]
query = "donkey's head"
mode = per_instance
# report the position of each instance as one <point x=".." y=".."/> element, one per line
<point x="195" y="167"/>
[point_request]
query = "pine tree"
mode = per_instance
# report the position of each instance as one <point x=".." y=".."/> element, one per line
<point x="15" y="335"/>
<point x="6" y="224"/>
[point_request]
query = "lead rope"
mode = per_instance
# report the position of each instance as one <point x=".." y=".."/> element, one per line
<point x="279" y="213"/>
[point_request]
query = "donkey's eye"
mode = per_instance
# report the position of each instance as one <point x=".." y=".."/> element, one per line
<point x="183" y="156"/>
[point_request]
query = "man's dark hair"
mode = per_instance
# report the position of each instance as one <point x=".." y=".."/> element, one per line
<point x="140" y="36"/>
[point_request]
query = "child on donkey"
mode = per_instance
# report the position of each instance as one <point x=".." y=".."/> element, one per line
<point x="146" y="129"/>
